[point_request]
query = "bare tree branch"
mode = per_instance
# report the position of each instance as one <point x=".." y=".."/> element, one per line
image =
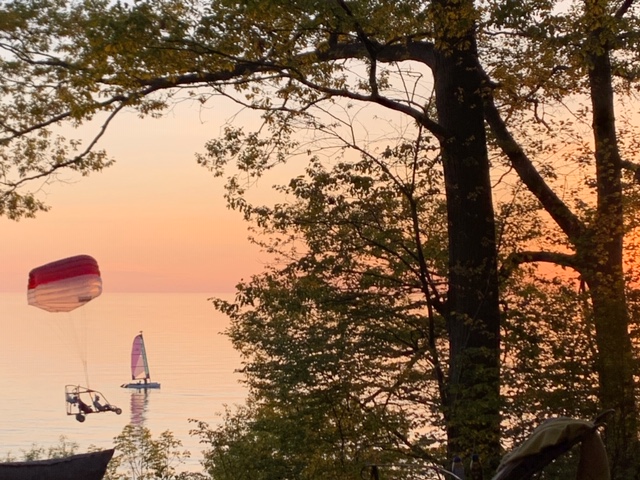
<point x="568" y="222"/>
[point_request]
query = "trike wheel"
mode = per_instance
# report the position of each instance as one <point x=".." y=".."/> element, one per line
<point x="80" y="417"/>
<point x="118" y="411"/>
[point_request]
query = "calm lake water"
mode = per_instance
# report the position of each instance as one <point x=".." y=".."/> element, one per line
<point x="41" y="352"/>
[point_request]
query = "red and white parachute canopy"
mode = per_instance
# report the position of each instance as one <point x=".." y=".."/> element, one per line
<point x="64" y="285"/>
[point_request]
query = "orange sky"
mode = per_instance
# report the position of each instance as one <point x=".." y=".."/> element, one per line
<point x="155" y="221"/>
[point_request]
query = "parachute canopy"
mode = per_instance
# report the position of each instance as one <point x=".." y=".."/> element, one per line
<point x="64" y="285"/>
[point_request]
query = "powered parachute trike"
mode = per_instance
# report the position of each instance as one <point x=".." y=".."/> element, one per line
<point x="62" y="286"/>
<point x="83" y="401"/>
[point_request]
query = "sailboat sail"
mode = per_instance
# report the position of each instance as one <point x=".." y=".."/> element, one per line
<point x="139" y="364"/>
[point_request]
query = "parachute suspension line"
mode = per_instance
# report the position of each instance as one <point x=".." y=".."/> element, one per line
<point x="80" y="328"/>
<point x="86" y="374"/>
<point x="68" y="330"/>
<point x="75" y="331"/>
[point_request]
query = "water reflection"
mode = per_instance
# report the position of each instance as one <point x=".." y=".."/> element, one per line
<point x="139" y="403"/>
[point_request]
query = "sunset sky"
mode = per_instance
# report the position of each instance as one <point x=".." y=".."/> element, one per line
<point x="155" y="221"/>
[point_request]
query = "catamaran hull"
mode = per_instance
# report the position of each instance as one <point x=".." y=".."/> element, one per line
<point x="84" y="466"/>
<point x="141" y="385"/>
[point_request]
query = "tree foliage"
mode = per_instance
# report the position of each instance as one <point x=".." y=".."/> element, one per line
<point x="64" y="448"/>
<point x="343" y="319"/>
<point x="140" y="456"/>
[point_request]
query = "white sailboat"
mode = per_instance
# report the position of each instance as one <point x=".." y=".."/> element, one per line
<point x="140" y="366"/>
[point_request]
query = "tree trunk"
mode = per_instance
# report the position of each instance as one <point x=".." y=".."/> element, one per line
<point x="614" y="364"/>
<point x="602" y="267"/>
<point x="472" y="411"/>
<point x="598" y="245"/>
